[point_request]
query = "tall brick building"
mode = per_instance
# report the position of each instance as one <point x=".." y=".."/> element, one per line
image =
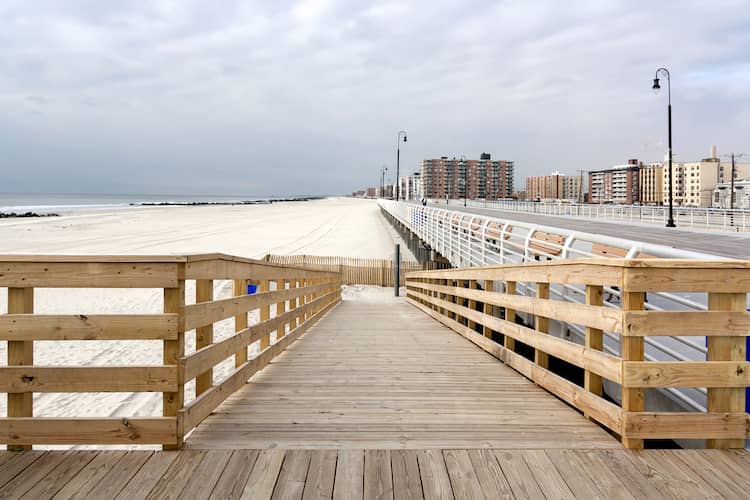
<point x="455" y="178"/>
<point x="615" y="185"/>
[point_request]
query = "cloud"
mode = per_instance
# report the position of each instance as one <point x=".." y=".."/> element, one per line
<point x="308" y="96"/>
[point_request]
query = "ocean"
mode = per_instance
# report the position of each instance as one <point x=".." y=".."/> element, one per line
<point x="67" y="203"/>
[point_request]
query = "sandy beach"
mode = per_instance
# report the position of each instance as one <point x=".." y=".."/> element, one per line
<point x="338" y="226"/>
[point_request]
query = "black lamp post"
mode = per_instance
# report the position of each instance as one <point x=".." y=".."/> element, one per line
<point x="463" y="161"/>
<point x="398" y="154"/>
<point x="656" y="88"/>
<point x="383" y="170"/>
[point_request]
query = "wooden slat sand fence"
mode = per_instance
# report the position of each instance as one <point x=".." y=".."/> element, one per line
<point x="300" y="296"/>
<point x="354" y="271"/>
<point x="487" y="318"/>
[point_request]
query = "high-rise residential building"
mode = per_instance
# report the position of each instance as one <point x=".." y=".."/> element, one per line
<point x="556" y="186"/>
<point x="651" y="184"/>
<point x="694" y="182"/>
<point x="456" y="178"/>
<point x="410" y="186"/>
<point x="618" y="184"/>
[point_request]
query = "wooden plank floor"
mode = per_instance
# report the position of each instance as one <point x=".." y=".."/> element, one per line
<point x="387" y="376"/>
<point x="376" y="474"/>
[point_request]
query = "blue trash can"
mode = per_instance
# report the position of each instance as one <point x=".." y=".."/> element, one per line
<point x="251" y="289"/>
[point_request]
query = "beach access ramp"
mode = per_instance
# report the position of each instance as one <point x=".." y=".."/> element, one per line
<point x="439" y="394"/>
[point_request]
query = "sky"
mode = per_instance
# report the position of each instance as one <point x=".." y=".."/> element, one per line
<point x="281" y="98"/>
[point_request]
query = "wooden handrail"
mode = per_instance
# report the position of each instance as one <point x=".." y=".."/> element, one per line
<point x="310" y="293"/>
<point x="450" y="297"/>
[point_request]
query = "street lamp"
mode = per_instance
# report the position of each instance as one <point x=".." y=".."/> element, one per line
<point x="398" y="154"/>
<point x="463" y="161"/>
<point x="383" y="170"/>
<point x="656" y="87"/>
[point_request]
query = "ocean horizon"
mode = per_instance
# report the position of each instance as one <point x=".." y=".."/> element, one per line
<point x="46" y="203"/>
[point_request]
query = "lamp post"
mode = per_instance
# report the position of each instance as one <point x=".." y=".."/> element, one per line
<point x="656" y="87"/>
<point x="383" y="170"/>
<point x="398" y="154"/>
<point x="463" y="162"/>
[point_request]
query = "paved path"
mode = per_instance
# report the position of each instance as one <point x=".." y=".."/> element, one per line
<point x="723" y="244"/>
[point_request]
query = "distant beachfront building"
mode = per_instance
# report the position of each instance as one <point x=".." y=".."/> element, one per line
<point x="372" y="192"/>
<point x="553" y="187"/>
<point x="651" y="184"/>
<point x="456" y="178"/>
<point x="410" y="186"/>
<point x="694" y="182"/>
<point x="618" y="184"/>
<point x="722" y="197"/>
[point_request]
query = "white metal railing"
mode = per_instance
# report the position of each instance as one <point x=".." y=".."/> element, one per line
<point x="692" y="217"/>
<point x="467" y="240"/>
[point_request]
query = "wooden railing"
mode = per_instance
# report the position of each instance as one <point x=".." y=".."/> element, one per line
<point x="355" y="271"/>
<point x="488" y="318"/>
<point x="300" y="297"/>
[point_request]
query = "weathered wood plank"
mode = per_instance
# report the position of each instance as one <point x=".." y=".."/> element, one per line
<point x="89" y="274"/>
<point x="350" y="471"/>
<point x="20" y="327"/>
<point x="407" y="484"/>
<point x="20" y="353"/>
<point x="464" y="480"/>
<point x="19" y="379"/>
<point x="435" y="480"/>
<point x="378" y="479"/>
<point x="262" y="479"/>
<point x="113" y="430"/>
<point x="655" y="374"/>
<point x="291" y="482"/>
<point x="321" y="475"/>
<point x="686" y="323"/>
<point x="81" y="485"/>
<point x="233" y="479"/>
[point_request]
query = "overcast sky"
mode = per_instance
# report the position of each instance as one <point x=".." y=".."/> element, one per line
<point x="274" y="97"/>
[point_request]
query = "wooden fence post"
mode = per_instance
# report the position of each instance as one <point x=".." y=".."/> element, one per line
<point x="280" y="309"/>
<point x="472" y="303"/>
<point x="510" y="315"/>
<point x="20" y="353"/>
<point x="594" y="339"/>
<point x="633" y="398"/>
<point x="541" y="325"/>
<point x="488" y="309"/>
<point x="265" y="314"/>
<point x="240" y="322"/>
<point x="204" y="335"/>
<point x="731" y="399"/>
<point x="172" y="402"/>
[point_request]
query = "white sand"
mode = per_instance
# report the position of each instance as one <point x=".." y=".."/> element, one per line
<point x="347" y="227"/>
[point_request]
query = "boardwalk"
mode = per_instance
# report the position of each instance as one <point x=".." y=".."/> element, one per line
<point x="385" y="375"/>
<point x="378" y="401"/>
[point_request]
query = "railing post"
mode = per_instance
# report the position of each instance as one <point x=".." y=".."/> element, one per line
<point x="541" y="324"/>
<point x="265" y="314"/>
<point x="472" y="303"/>
<point x="204" y="335"/>
<point x="280" y="309"/>
<point x="732" y="399"/>
<point x="510" y="315"/>
<point x="172" y="402"/>
<point x="20" y="353"/>
<point x="297" y="301"/>
<point x="594" y="339"/>
<point x="488" y="309"/>
<point x="240" y="321"/>
<point x="633" y="398"/>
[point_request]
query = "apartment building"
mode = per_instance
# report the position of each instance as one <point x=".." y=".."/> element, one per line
<point x="410" y="186"/>
<point x="618" y="184"/>
<point x="694" y="182"/>
<point x="651" y="184"/>
<point x="458" y="178"/>
<point x="556" y="186"/>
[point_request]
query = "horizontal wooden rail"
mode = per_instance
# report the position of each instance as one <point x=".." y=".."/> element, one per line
<point x="17" y="379"/>
<point x="451" y="297"/>
<point x="206" y="313"/>
<point x="22" y="327"/>
<point x="43" y="430"/>
<point x="209" y="356"/>
<point x="300" y="296"/>
<point x="600" y="317"/>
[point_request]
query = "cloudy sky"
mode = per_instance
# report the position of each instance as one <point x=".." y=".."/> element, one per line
<point x="275" y="97"/>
